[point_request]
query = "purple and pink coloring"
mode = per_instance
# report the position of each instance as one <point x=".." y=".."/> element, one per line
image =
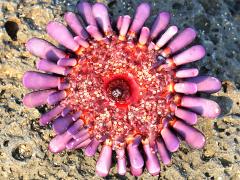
<point x="122" y="88"/>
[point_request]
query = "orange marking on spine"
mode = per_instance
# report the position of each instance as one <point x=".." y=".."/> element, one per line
<point x="156" y="47"/>
<point x="171" y="87"/>
<point x="108" y="33"/>
<point x="132" y="34"/>
<point x="108" y="142"/>
<point x="171" y="63"/>
<point x="172" y="122"/>
<point x="145" y="141"/>
<point x="79" y="51"/>
<point x="177" y="99"/>
<point x="166" y="52"/>
<point x="122" y="38"/>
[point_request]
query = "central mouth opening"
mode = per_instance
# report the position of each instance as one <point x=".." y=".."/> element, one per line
<point x="119" y="90"/>
<point x="122" y="89"/>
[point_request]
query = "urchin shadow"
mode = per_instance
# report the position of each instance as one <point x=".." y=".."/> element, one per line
<point x="224" y="102"/>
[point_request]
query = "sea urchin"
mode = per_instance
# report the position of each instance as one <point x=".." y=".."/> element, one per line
<point x="122" y="89"/>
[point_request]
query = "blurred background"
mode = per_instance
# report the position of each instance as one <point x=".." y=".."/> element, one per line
<point x="23" y="143"/>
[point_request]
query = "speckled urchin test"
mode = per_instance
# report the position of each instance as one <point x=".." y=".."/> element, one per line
<point x="120" y="88"/>
<point x="116" y="88"/>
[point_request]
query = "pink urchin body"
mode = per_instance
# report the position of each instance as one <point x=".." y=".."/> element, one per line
<point x="120" y="89"/>
<point x="117" y="84"/>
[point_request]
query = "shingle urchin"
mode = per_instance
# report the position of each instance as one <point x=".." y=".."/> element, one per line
<point x="125" y="90"/>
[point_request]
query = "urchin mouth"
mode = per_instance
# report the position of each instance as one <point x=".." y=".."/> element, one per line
<point x="122" y="89"/>
<point x="117" y="93"/>
<point x="118" y="90"/>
